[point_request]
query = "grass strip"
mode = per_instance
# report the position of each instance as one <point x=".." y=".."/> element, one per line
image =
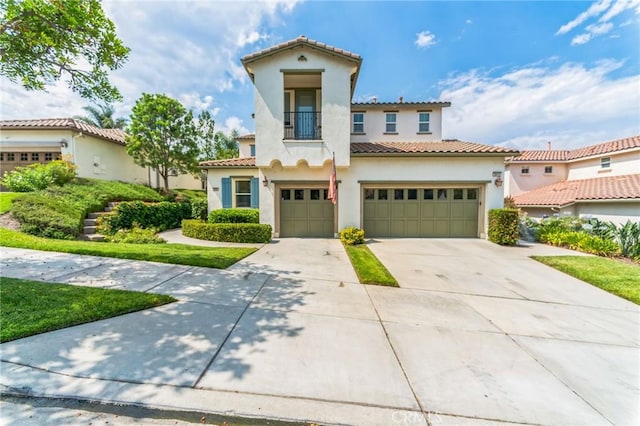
<point x="179" y="254"/>
<point x="367" y="266"/>
<point x="616" y="277"/>
<point x="34" y="307"/>
<point x="6" y="200"/>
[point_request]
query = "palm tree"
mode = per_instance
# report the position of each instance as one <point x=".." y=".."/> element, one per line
<point x="102" y="117"/>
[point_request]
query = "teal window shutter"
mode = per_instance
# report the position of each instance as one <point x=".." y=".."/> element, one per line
<point x="226" y="193"/>
<point x="253" y="150"/>
<point x="255" y="196"/>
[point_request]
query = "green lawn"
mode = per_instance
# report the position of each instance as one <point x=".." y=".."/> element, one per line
<point x="616" y="277"/>
<point x="368" y="267"/>
<point x="33" y="307"/>
<point x="6" y="200"/>
<point x="180" y="254"/>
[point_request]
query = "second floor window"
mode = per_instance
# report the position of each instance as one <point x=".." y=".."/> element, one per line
<point x="391" y="118"/>
<point x="358" y="122"/>
<point x="252" y="147"/>
<point x="423" y="124"/>
<point x="524" y="170"/>
<point x="548" y="169"/>
<point x="605" y="162"/>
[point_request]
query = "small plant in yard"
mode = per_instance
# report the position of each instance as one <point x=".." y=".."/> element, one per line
<point x="628" y="237"/>
<point x="504" y="226"/>
<point x="352" y="236"/>
<point x="234" y="216"/>
<point x="135" y="235"/>
<point x="199" y="208"/>
<point x="227" y="232"/>
<point x="163" y="215"/>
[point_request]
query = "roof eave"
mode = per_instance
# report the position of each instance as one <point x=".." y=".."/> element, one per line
<point x="429" y="154"/>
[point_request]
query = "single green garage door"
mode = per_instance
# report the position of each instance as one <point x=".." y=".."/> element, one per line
<point x="305" y="212"/>
<point x="421" y="212"/>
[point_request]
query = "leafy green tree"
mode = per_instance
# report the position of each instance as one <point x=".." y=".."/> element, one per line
<point x="42" y="40"/>
<point x="226" y="146"/>
<point x="102" y="117"/>
<point x="164" y="135"/>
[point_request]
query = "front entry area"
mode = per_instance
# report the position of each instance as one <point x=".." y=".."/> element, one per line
<point x="306" y="212"/>
<point x="420" y="212"/>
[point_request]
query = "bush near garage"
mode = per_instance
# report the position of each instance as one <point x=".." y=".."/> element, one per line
<point x="35" y="177"/>
<point x="582" y="241"/>
<point x="227" y="232"/>
<point x="504" y="226"/>
<point x="234" y="216"/>
<point x="163" y="215"/>
<point x="199" y="208"/>
<point x="58" y="211"/>
<point x="352" y="236"/>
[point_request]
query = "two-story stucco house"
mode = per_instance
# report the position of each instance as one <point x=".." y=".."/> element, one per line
<point x="395" y="175"/>
<point x="97" y="153"/>
<point x="600" y="180"/>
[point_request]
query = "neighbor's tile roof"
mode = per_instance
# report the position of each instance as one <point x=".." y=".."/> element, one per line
<point x="441" y="147"/>
<point x="231" y="162"/>
<point x="247" y="137"/>
<point x="111" y="135"/>
<point x="300" y="40"/>
<point x="566" y="155"/>
<point x="571" y="191"/>
<point x="401" y="104"/>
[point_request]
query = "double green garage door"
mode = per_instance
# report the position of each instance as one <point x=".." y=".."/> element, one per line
<point x="420" y="212"/>
<point x="388" y="212"/>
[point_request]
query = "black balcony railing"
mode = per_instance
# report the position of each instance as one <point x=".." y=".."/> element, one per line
<point x="302" y="125"/>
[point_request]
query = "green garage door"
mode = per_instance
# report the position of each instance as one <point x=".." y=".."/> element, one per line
<point x="305" y="212"/>
<point x="418" y="212"/>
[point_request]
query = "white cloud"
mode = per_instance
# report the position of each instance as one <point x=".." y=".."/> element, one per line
<point x="468" y="21"/>
<point x="230" y="124"/>
<point x="251" y="38"/>
<point x="425" y="39"/>
<point x="594" y="10"/>
<point x="606" y="10"/>
<point x="580" y="39"/>
<point x="571" y="105"/>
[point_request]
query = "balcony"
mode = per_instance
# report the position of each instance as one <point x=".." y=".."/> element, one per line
<point x="302" y="125"/>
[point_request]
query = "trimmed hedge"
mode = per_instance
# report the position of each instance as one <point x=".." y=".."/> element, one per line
<point x="227" y="232"/>
<point x="352" y="236"/>
<point x="582" y="241"/>
<point x="504" y="226"/>
<point x="235" y="216"/>
<point x="163" y="215"/>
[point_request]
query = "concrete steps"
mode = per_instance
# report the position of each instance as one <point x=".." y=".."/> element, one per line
<point x="90" y="224"/>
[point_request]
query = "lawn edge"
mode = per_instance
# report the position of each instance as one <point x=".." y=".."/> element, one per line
<point x="394" y="283"/>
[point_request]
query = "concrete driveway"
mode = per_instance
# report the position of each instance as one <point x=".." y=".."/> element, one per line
<point x="476" y="334"/>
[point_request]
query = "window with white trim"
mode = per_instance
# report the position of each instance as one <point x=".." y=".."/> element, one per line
<point x="390" y="120"/>
<point x="548" y="170"/>
<point x="605" y="162"/>
<point x="524" y="170"/>
<point x="358" y="122"/>
<point x="423" y="122"/>
<point x="242" y="192"/>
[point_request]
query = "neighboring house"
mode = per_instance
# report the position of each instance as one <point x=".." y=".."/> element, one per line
<point x="600" y="180"/>
<point x="98" y="153"/>
<point x="395" y="175"/>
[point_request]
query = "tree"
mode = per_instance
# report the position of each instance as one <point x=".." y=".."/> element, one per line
<point x="102" y="117"/>
<point x="226" y="146"/>
<point x="42" y="40"/>
<point x="164" y="135"/>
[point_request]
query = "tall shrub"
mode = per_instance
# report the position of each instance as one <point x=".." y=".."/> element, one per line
<point x="163" y="215"/>
<point x="35" y="177"/>
<point x="504" y="226"/>
<point x="234" y="216"/>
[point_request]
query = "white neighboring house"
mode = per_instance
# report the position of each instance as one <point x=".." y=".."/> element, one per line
<point x="601" y="181"/>
<point x="98" y="153"/>
<point x="396" y="176"/>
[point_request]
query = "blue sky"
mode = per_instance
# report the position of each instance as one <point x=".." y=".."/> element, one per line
<point x="517" y="73"/>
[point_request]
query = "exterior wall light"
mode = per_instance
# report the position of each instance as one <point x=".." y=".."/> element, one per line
<point x="498" y="182"/>
<point x="302" y="58"/>
<point x="265" y="181"/>
<point x="63" y="143"/>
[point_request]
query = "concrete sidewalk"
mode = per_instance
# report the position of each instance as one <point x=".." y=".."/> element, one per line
<point x="477" y="334"/>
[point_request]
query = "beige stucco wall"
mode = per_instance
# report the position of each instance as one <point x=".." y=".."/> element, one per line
<point x="269" y="110"/>
<point x="616" y="212"/>
<point x="436" y="171"/>
<point x="517" y="183"/>
<point x="621" y="164"/>
<point x="406" y="125"/>
<point x="244" y="148"/>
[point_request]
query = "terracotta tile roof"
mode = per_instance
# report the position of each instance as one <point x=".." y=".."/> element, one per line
<point x="111" y="135"/>
<point x="424" y="104"/>
<point x="300" y="40"/>
<point x="572" y="191"/>
<point x="247" y="137"/>
<point x="231" y="162"/>
<point x="565" y="155"/>
<point x="446" y="146"/>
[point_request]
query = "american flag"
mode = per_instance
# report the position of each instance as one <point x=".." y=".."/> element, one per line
<point x="333" y="188"/>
